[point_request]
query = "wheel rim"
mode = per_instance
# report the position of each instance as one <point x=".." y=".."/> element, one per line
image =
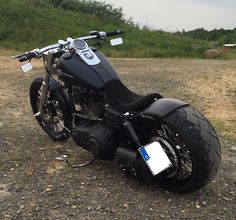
<point x="176" y="150"/>
<point x="52" y="115"/>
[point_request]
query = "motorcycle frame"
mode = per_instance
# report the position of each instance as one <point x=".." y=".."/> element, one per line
<point x="157" y="110"/>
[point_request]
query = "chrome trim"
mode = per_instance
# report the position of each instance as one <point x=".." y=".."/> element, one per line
<point x="86" y="54"/>
<point x="102" y="34"/>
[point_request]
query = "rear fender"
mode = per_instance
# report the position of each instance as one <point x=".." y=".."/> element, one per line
<point x="162" y="107"/>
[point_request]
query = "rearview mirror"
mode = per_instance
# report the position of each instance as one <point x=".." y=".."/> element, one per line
<point x="116" y="41"/>
<point x="26" y="67"/>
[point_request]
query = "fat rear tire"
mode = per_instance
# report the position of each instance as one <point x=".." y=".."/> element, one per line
<point x="203" y="145"/>
<point x="56" y="135"/>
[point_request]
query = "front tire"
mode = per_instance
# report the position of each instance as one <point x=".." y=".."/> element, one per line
<point x="194" y="149"/>
<point x="56" y="119"/>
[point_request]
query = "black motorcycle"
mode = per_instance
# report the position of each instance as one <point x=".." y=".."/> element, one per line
<point x="153" y="139"/>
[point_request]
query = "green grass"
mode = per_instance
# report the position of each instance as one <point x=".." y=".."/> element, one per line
<point x="24" y="26"/>
<point x="231" y="93"/>
<point x="227" y="131"/>
<point x="230" y="54"/>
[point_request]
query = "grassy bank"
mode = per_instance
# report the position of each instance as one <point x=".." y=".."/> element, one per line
<point x="25" y="25"/>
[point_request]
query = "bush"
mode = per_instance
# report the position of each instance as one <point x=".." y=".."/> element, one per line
<point x="100" y="9"/>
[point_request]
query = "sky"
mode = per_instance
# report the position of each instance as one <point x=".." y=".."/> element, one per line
<point x="176" y="15"/>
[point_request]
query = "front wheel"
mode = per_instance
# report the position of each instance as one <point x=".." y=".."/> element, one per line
<point x="55" y="119"/>
<point x="193" y="147"/>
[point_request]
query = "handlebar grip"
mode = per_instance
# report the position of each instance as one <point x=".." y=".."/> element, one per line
<point x="27" y="56"/>
<point x="93" y="33"/>
<point x="114" y="33"/>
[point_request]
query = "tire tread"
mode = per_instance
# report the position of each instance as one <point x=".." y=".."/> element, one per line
<point x="199" y="135"/>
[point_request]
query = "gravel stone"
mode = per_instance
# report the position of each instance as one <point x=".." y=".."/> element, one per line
<point x="56" y="206"/>
<point x="37" y="209"/>
<point x="233" y="149"/>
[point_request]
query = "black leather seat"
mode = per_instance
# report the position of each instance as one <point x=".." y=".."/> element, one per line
<point x="124" y="100"/>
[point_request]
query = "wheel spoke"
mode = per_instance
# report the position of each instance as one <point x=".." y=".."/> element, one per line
<point x="61" y="124"/>
<point x="52" y="116"/>
<point x="176" y="150"/>
<point x="39" y="94"/>
<point x="55" y="128"/>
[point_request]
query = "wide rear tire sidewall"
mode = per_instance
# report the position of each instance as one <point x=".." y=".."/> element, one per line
<point x="203" y="144"/>
<point x="67" y="117"/>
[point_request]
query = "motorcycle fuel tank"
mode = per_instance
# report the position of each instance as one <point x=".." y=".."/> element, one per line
<point x="88" y="75"/>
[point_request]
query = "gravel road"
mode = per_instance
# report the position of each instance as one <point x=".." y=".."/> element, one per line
<point x="34" y="185"/>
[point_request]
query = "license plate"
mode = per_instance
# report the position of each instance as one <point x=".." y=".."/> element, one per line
<point x="155" y="157"/>
<point x="26" y="67"/>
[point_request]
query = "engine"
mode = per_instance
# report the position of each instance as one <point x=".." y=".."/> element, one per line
<point x="96" y="103"/>
<point x="95" y="137"/>
<point x="101" y="139"/>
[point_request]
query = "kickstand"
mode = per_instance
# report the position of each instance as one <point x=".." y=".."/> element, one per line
<point x="64" y="158"/>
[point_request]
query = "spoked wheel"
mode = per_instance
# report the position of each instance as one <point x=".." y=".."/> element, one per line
<point x="192" y="146"/>
<point x="52" y="116"/>
<point x="176" y="150"/>
<point x="55" y="118"/>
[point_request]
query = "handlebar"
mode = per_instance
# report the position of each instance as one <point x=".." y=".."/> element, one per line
<point x="114" y="33"/>
<point x="39" y="52"/>
<point x="28" y="56"/>
<point x="102" y="34"/>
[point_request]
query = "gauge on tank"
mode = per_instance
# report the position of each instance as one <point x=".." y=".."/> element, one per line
<point x="79" y="44"/>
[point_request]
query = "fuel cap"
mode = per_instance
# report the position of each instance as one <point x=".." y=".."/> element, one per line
<point x="66" y="56"/>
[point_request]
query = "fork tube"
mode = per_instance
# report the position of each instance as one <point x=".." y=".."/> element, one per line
<point x="46" y="81"/>
<point x="44" y="92"/>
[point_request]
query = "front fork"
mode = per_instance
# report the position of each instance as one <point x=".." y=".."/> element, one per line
<point x="44" y="93"/>
<point x="46" y="83"/>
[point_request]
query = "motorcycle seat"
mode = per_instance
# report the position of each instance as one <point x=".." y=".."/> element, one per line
<point x="125" y="100"/>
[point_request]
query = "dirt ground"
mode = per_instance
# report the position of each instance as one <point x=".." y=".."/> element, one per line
<point x="34" y="185"/>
